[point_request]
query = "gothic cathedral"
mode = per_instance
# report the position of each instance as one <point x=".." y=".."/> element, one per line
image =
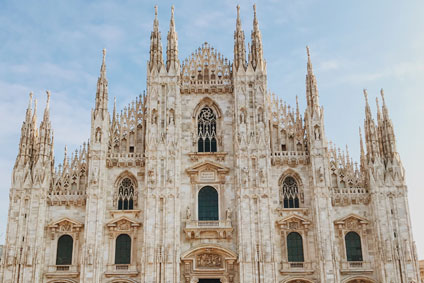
<point x="209" y="177"/>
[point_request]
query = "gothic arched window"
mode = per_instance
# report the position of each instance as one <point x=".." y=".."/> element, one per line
<point x="126" y="194"/>
<point x="290" y="193"/>
<point x="294" y="247"/>
<point x="64" y="250"/>
<point x="206" y="130"/>
<point x="123" y="249"/>
<point x="353" y="247"/>
<point x="208" y="204"/>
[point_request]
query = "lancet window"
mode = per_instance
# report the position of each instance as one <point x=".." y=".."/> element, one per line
<point x="64" y="250"/>
<point x="353" y="247"/>
<point x="289" y="195"/>
<point x="126" y="194"/>
<point x="206" y="130"/>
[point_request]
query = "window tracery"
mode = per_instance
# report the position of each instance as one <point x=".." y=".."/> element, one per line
<point x="206" y="130"/>
<point x="289" y="194"/>
<point x="126" y="194"/>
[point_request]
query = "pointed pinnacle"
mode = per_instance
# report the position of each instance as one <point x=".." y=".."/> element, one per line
<point x="366" y="95"/>
<point x="103" y="67"/>
<point x="48" y="100"/>
<point x="238" y="16"/>
<point x="30" y="100"/>
<point x="156" y="21"/>
<point x="172" y="23"/>
<point x="255" y="19"/>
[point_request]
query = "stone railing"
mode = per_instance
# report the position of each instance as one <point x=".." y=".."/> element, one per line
<point x="220" y="85"/>
<point x="352" y="266"/>
<point x="348" y="196"/>
<point x="289" y="157"/>
<point x="63" y="271"/>
<point x="198" y="229"/>
<point x="121" y="269"/>
<point x="58" y="198"/>
<point x="296" y="267"/>
<point x="125" y="159"/>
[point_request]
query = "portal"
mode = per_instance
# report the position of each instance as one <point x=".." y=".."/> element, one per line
<point x="209" y="281"/>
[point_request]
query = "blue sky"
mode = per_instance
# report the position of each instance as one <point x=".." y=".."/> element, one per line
<point x="57" y="45"/>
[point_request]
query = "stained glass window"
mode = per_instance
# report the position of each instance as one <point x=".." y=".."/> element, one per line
<point x="208" y="204"/>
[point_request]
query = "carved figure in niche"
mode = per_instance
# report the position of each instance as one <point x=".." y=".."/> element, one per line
<point x="98" y="135"/>
<point x="228" y="214"/>
<point x="262" y="176"/>
<point x="171" y="118"/>
<point x="242" y="118"/>
<point x="188" y="213"/>
<point x="317" y="133"/>
<point x="90" y="255"/>
<point x="209" y="260"/>
<point x="320" y="174"/>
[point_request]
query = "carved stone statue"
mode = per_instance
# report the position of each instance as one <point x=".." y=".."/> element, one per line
<point x="188" y="213"/>
<point x="228" y="214"/>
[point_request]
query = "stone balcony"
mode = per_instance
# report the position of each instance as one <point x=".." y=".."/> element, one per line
<point x="289" y="157"/>
<point x="62" y="271"/>
<point x="349" y="267"/>
<point x="124" y="159"/>
<point x="220" y="229"/>
<point x="296" y="268"/>
<point x="349" y="196"/>
<point x="121" y="270"/>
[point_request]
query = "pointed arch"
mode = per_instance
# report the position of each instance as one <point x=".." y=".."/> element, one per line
<point x="297" y="280"/>
<point x="291" y="193"/>
<point x="125" y="197"/>
<point x="206" y="101"/>
<point x="361" y="278"/>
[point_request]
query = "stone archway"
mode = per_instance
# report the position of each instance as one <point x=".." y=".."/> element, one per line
<point x="209" y="262"/>
<point x="298" y="280"/>
<point x="359" y="279"/>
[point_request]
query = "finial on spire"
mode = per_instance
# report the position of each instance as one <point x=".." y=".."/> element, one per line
<point x="48" y="98"/>
<point x="103" y="67"/>
<point x="255" y="19"/>
<point x="309" y="59"/>
<point x="366" y="95"/>
<point x="30" y="100"/>
<point x="172" y="22"/>
<point x="156" y="11"/>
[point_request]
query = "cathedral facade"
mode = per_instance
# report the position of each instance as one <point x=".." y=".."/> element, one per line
<point x="209" y="177"/>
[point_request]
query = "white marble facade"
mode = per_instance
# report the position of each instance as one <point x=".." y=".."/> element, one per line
<point x="274" y="174"/>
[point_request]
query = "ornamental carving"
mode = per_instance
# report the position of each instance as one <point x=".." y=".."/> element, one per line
<point x="207" y="260"/>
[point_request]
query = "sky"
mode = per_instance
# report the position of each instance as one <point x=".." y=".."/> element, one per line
<point x="57" y="45"/>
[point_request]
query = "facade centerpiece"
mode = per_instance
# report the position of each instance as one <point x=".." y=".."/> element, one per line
<point x="208" y="177"/>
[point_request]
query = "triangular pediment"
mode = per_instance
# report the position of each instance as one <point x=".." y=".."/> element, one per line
<point x="65" y="221"/>
<point x="65" y="225"/>
<point x="351" y="217"/>
<point x="207" y="166"/>
<point x="293" y="218"/>
<point x="122" y="219"/>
